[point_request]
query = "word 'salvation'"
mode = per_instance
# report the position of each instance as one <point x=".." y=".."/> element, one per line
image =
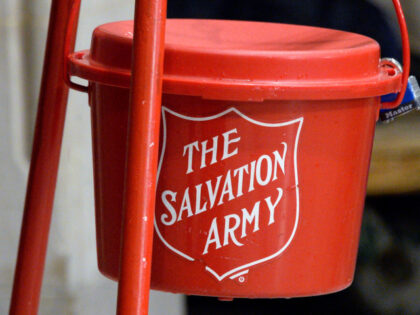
<point x="224" y="188"/>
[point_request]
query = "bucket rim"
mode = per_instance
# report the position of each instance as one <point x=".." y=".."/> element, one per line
<point x="385" y="82"/>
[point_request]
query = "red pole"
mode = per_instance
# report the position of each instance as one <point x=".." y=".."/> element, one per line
<point x="143" y="145"/>
<point x="43" y="170"/>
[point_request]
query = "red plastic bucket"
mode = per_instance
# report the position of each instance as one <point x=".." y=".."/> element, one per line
<point x="265" y="144"/>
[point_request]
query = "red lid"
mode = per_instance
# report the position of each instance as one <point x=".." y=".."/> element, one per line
<point x="239" y="60"/>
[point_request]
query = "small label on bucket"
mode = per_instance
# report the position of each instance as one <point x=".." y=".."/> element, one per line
<point x="389" y="115"/>
<point x="228" y="190"/>
<point x="410" y="102"/>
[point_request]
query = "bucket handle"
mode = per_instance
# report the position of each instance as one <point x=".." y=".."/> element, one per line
<point x="71" y="29"/>
<point x="406" y="57"/>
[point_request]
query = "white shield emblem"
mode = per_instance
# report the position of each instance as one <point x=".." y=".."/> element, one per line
<point x="227" y="190"/>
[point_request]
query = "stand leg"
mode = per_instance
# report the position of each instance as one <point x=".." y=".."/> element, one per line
<point x="143" y="145"/>
<point x="43" y="170"/>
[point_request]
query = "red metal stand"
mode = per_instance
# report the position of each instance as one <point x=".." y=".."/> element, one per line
<point x="43" y="170"/>
<point x="142" y="147"/>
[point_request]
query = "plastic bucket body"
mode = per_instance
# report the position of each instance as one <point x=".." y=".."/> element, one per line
<point x="261" y="182"/>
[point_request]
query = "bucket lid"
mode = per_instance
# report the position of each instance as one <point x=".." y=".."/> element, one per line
<point x="238" y="60"/>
